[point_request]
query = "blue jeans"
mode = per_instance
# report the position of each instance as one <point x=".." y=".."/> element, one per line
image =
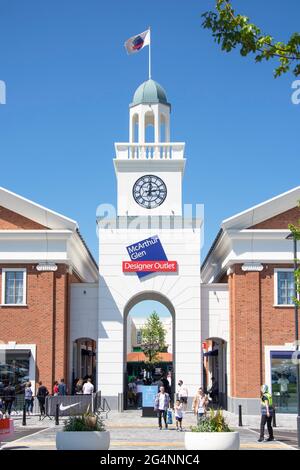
<point x="29" y="404"/>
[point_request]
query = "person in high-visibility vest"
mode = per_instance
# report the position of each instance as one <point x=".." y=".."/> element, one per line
<point x="267" y="412"/>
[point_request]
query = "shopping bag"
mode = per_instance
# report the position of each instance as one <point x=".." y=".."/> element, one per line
<point x="169" y="417"/>
<point x="6" y="427"/>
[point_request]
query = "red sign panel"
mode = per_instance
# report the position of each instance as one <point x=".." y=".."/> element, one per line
<point x="149" y="266"/>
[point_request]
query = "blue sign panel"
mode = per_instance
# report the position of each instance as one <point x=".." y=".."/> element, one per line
<point x="149" y="394"/>
<point x="149" y="249"/>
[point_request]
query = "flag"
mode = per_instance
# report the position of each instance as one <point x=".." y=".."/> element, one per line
<point x="136" y="43"/>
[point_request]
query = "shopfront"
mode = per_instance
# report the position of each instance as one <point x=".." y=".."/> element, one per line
<point x="17" y="365"/>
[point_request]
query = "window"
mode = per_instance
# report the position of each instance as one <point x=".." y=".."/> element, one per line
<point x="139" y="337"/>
<point x="284" y="381"/>
<point x="284" y="288"/>
<point x="14" y="286"/>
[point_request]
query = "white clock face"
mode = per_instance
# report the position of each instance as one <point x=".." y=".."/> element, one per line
<point x="149" y="191"/>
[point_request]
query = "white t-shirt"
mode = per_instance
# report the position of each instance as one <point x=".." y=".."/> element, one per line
<point x="88" y="388"/>
<point x="201" y="405"/>
<point x="179" y="411"/>
<point x="162" y="401"/>
<point x="182" y="391"/>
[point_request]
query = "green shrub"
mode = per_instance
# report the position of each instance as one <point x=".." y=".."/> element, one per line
<point x="214" y="422"/>
<point x="87" y="422"/>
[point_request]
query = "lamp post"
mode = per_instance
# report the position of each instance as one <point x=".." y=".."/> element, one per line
<point x="292" y="236"/>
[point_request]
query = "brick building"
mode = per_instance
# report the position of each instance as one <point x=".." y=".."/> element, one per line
<point x="248" y="327"/>
<point x="51" y="318"/>
<point x="42" y="254"/>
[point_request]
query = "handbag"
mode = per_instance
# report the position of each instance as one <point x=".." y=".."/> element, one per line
<point x="169" y="417"/>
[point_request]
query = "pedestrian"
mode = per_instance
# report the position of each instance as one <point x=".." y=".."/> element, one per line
<point x="178" y="409"/>
<point x="88" y="387"/>
<point x="214" y="391"/>
<point x="182" y="393"/>
<point x="165" y="383"/>
<point x="28" y="398"/>
<point x="139" y="392"/>
<point x="79" y="387"/>
<point x="200" y="403"/>
<point x="132" y="392"/>
<point x="161" y="405"/>
<point x="62" y="388"/>
<point x="42" y="393"/>
<point x="55" y="389"/>
<point x="267" y="412"/>
<point x="9" y="396"/>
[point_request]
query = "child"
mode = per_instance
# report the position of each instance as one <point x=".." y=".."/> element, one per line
<point x="178" y="408"/>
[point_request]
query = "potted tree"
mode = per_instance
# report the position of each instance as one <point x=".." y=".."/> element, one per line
<point x="212" y="433"/>
<point x="86" y="432"/>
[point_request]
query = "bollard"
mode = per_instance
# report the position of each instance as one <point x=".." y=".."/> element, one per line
<point x="57" y="415"/>
<point x="274" y="418"/>
<point x="24" y="416"/>
<point x="240" y="416"/>
<point x="120" y="403"/>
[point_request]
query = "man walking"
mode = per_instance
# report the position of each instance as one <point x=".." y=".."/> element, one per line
<point x="41" y="394"/>
<point x="266" y="413"/>
<point x="182" y="393"/>
<point x="161" y="405"/>
<point x="9" y="396"/>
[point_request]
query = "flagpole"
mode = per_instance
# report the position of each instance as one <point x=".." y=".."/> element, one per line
<point x="149" y="53"/>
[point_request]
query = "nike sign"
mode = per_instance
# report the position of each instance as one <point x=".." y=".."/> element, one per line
<point x="63" y="408"/>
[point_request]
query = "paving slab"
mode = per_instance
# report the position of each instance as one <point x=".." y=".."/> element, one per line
<point x="129" y="431"/>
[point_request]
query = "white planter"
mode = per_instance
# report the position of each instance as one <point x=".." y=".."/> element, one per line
<point x="82" y="440"/>
<point x="212" y="440"/>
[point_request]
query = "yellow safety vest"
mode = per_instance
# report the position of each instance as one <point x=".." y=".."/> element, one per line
<point x="268" y="396"/>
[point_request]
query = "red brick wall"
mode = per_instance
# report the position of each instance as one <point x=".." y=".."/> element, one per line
<point x="44" y="321"/>
<point x="282" y="220"/>
<point x="254" y="323"/>
<point x="10" y="220"/>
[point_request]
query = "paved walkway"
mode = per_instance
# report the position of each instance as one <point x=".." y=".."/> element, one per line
<point x="129" y="431"/>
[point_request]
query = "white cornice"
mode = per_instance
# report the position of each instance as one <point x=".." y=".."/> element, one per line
<point x="51" y="246"/>
<point x="34" y="211"/>
<point x="263" y="211"/>
<point x="149" y="165"/>
<point x="247" y="247"/>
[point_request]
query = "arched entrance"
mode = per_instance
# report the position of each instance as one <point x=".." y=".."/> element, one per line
<point x="215" y="369"/>
<point x="84" y="359"/>
<point x="166" y="363"/>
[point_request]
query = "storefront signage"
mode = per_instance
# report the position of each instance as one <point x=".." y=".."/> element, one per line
<point x="149" y="266"/>
<point x="148" y="256"/>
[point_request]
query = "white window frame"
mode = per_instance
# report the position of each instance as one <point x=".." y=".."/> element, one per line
<point x="4" y="271"/>
<point x="276" y="271"/>
<point x="268" y="350"/>
<point x="12" y="346"/>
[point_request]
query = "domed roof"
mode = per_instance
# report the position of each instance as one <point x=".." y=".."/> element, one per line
<point x="149" y="92"/>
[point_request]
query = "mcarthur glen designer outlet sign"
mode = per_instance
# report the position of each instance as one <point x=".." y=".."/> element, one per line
<point x="148" y="256"/>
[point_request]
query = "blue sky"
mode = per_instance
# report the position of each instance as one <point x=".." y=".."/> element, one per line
<point x="69" y="83"/>
<point x="146" y="307"/>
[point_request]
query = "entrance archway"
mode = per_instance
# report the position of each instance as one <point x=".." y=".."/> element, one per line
<point x="135" y="300"/>
<point x="84" y="359"/>
<point x="215" y="369"/>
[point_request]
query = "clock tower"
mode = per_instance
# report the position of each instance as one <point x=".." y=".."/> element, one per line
<point x="149" y="174"/>
<point x="148" y="225"/>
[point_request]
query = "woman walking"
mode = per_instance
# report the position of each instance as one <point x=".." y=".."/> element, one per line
<point x="200" y="403"/>
<point x="55" y="389"/>
<point x="28" y="398"/>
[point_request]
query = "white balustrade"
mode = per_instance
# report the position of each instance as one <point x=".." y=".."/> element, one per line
<point x="150" y="151"/>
